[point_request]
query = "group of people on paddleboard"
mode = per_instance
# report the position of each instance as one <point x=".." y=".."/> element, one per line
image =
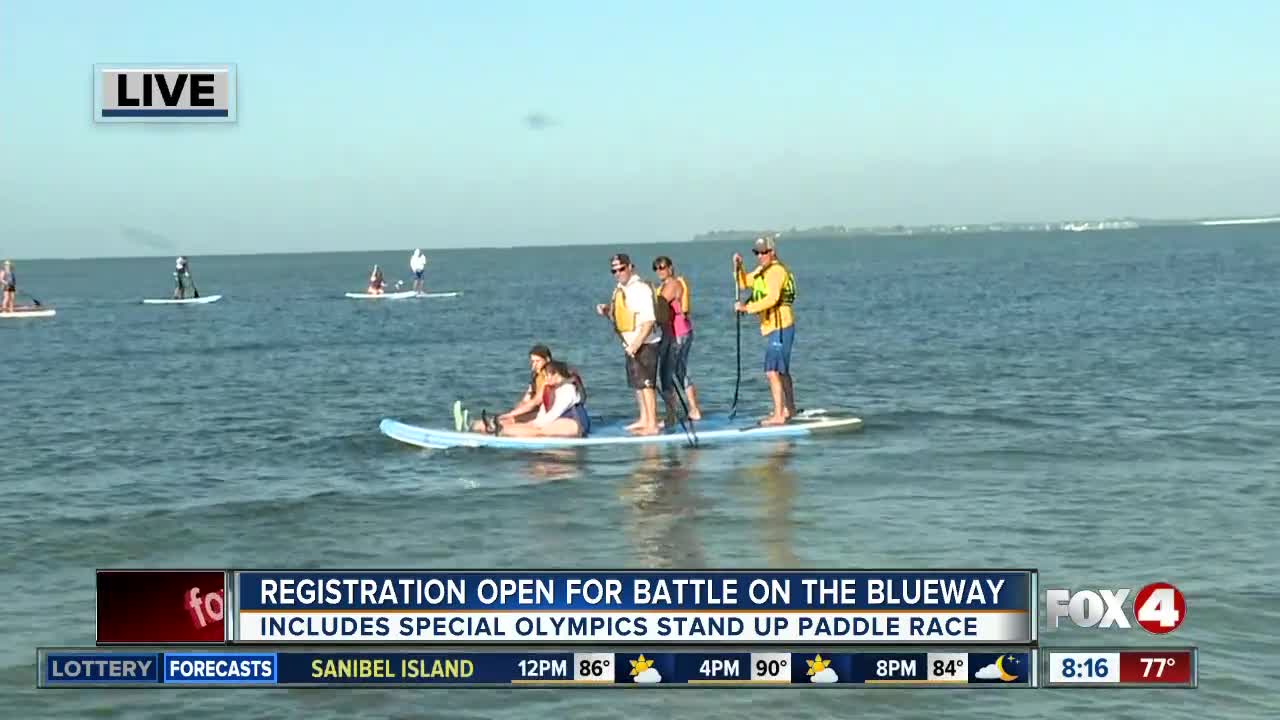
<point x="417" y="263"/>
<point x="182" y="278"/>
<point x="655" y="326"/>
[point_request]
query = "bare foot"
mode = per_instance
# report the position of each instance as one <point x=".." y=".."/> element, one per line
<point x="634" y="425"/>
<point x="774" y="420"/>
<point x="643" y="430"/>
<point x="695" y="416"/>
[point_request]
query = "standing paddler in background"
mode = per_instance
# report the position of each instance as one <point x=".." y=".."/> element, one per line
<point x="632" y="313"/>
<point x="677" y="338"/>
<point x="773" y="292"/>
<point x="181" y="276"/>
<point x="9" y="283"/>
<point x="418" y="264"/>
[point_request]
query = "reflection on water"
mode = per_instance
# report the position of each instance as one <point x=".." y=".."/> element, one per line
<point x="661" y="510"/>
<point x="775" y="484"/>
<point x="556" y="465"/>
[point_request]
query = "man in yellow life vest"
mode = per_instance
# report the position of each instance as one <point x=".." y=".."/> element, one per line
<point x="773" y="291"/>
<point x="633" y="313"/>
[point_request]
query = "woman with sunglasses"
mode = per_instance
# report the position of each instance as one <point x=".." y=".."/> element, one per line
<point x="773" y="292"/>
<point x="677" y="338"/>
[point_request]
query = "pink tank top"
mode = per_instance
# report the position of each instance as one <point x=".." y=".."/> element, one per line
<point x="679" y="321"/>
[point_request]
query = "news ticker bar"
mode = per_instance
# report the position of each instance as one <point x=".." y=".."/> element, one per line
<point x="558" y="607"/>
<point x="367" y="667"/>
<point x="285" y="666"/>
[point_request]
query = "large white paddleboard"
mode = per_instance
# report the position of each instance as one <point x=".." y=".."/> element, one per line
<point x="717" y="429"/>
<point x="438" y="294"/>
<point x="28" y="312"/>
<point x="382" y="296"/>
<point x="185" y="301"/>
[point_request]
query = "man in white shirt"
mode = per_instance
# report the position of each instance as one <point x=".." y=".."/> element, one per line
<point x="417" y="263"/>
<point x="633" y="314"/>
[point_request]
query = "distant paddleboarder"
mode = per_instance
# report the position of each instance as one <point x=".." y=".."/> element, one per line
<point x="418" y="264"/>
<point x="376" y="282"/>
<point x="8" y="281"/>
<point x="181" y="276"/>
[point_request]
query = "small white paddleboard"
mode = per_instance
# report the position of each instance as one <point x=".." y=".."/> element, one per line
<point x="28" y="312"/>
<point x="185" y="301"/>
<point x="382" y="296"/>
<point x="438" y="295"/>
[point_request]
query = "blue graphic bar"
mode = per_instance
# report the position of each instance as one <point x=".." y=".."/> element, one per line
<point x="110" y="667"/>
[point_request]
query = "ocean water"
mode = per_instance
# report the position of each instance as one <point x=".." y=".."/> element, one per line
<point x="1104" y="407"/>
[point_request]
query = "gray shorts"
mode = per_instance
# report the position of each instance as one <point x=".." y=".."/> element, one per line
<point x="673" y="365"/>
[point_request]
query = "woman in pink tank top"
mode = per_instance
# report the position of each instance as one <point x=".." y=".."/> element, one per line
<point x="674" y="361"/>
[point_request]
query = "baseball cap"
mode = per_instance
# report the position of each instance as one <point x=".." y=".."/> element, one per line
<point x="620" y="260"/>
<point x="765" y="243"/>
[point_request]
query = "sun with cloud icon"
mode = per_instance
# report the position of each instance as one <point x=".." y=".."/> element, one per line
<point x="643" y="671"/>
<point x="1001" y="669"/>
<point x="820" y="670"/>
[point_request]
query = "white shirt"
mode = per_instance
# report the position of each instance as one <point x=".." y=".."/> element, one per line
<point x="418" y="262"/>
<point x="566" y="396"/>
<point x="639" y="299"/>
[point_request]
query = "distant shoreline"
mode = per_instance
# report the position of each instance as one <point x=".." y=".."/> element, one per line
<point x="997" y="227"/>
<point x="824" y="232"/>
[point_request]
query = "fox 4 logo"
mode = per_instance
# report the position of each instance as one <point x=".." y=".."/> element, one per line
<point x="1158" y="608"/>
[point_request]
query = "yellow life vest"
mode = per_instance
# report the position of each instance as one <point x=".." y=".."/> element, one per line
<point x="779" y="316"/>
<point x="662" y="306"/>
<point x="623" y="319"/>
<point x="685" y="302"/>
<point x="759" y="288"/>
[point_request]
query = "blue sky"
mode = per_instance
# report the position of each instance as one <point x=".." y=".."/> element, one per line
<point x="385" y="124"/>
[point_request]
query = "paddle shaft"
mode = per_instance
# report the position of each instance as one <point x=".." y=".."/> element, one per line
<point x="737" y="382"/>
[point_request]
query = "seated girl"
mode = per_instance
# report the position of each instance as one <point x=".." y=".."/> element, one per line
<point x="562" y="412"/>
<point x="375" y="282"/>
<point x="526" y="409"/>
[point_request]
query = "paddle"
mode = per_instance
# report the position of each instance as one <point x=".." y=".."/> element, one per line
<point x="34" y="299"/>
<point x="737" y="383"/>
<point x="195" y="290"/>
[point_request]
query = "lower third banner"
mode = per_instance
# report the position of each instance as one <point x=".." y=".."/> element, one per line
<point x="101" y="667"/>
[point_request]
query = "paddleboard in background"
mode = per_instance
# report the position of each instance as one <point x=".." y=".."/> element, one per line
<point x="438" y="294"/>
<point x="28" y="312"/>
<point x="382" y="296"/>
<point x="185" y="301"/>
<point x="712" y="429"/>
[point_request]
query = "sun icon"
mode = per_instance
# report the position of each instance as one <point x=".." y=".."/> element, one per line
<point x="639" y="666"/>
<point x="817" y="665"/>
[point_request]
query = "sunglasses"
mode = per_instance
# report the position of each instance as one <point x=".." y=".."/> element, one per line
<point x="615" y="271"/>
<point x="761" y="252"/>
<point x="661" y="267"/>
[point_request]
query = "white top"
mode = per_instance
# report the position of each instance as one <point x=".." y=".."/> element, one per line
<point x="566" y="396"/>
<point x="639" y="299"/>
<point x="418" y="262"/>
<point x="180" y="263"/>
